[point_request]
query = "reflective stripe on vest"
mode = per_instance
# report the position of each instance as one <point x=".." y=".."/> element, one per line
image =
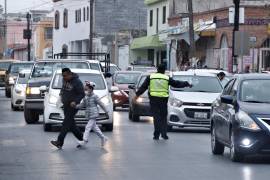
<point x="159" y="85"/>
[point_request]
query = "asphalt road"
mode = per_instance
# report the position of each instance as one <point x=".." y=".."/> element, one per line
<point x="131" y="154"/>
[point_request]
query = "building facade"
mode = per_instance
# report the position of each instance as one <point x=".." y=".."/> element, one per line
<point x="72" y="23"/>
<point x="214" y="43"/>
<point x="152" y="49"/>
<point x="42" y="38"/>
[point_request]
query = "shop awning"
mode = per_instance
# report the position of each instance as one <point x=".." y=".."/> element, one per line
<point x="206" y="30"/>
<point x="146" y="42"/>
<point x="183" y="36"/>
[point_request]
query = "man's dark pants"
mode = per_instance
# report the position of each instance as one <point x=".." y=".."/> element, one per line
<point x="69" y="125"/>
<point x="159" y="108"/>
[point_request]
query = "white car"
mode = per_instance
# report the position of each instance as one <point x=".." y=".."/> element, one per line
<point x="18" y="90"/>
<point x="190" y="107"/>
<point x="53" y="113"/>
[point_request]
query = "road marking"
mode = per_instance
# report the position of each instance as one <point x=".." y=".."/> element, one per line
<point x="13" y="143"/>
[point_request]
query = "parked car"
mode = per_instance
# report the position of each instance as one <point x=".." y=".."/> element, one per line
<point x="12" y="73"/>
<point x="53" y="114"/>
<point x="113" y="67"/>
<point x="140" y="107"/>
<point x="41" y="75"/>
<point x="122" y="79"/>
<point x="18" y="90"/>
<point x="240" y="117"/>
<point x="190" y="107"/>
<point x="4" y="65"/>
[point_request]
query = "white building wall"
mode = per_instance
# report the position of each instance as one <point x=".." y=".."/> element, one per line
<point x="152" y="30"/>
<point x="74" y="31"/>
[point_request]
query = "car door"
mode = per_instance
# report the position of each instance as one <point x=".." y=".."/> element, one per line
<point x="221" y="119"/>
<point x="229" y="112"/>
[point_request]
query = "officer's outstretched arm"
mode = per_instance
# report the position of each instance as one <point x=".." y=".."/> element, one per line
<point x="178" y="84"/>
<point x="143" y="87"/>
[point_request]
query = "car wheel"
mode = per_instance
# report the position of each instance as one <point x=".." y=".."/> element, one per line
<point x="169" y="128"/>
<point x="47" y="127"/>
<point x="8" y="94"/>
<point x="135" y="118"/>
<point x="217" y="147"/>
<point x="30" y="116"/>
<point x="14" y="108"/>
<point x="235" y="155"/>
<point x="130" y="114"/>
<point x="109" y="127"/>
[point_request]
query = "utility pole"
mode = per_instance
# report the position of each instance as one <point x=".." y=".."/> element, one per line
<point x="235" y="28"/>
<point x="5" y="28"/>
<point x="27" y="35"/>
<point x="91" y="35"/>
<point x="192" y="49"/>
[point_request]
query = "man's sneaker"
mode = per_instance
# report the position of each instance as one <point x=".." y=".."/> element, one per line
<point x="165" y="137"/>
<point x="104" y="141"/>
<point x="155" y="138"/>
<point x="81" y="143"/>
<point x="57" y="144"/>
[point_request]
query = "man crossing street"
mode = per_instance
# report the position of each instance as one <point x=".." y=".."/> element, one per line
<point x="158" y="86"/>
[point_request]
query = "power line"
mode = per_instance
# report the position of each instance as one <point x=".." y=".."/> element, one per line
<point x="33" y="7"/>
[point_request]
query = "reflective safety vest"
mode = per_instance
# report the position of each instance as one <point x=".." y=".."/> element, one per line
<point x="159" y="85"/>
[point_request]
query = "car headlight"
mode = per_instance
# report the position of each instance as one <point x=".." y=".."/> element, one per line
<point x="19" y="89"/>
<point x="117" y="93"/>
<point x="142" y="100"/>
<point x="53" y="100"/>
<point x="105" y="100"/>
<point x="176" y="102"/>
<point x="32" y="90"/>
<point x="11" y="80"/>
<point x="246" y="121"/>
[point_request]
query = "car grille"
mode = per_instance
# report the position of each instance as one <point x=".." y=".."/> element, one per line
<point x="197" y="104"/>
<point x="198" y="122"/>
<point x="78" y="118"/>
<point x="190" y="112"/>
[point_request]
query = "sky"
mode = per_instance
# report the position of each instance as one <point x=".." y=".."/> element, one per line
<point x="25" y="5"/>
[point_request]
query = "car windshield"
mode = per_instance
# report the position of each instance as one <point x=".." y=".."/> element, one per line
<point x="46" y="69"/>
<point x="144" y="69"/>
<point x="255" y="91"/>
<point x="95" y="66"/>
<point x="96" y="78"/>
<point x="4" y="65"/>
<point x="126" y="78"/>
<point x="200" y="84"/>
<point x="23" y="80"/>
<point x="17" y="67"/>
<point x="113" y="69"/>
<point x="142" y="79"/>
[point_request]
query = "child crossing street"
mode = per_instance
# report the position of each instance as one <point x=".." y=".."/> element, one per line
<point x="90" y="102"/>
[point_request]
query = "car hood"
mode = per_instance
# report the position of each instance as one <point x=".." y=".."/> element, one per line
<point x="254" y="108"/>
<point x="100" y="93"/>
<point x="195" y="97"/>
<point x="37" y="82"/>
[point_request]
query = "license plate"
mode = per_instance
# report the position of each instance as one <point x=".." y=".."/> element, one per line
<point x="81" y="113"/>
<point x="200" y="115"/>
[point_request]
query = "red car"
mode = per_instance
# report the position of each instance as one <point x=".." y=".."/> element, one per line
<point x="122" y="79"/>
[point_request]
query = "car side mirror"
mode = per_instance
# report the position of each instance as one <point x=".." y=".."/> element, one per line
<point x="131" y="86"/>
<point x="107" y="75"/>
<point x="43" y="88"/>
<point x="114" y="89"/>
<point x="21" y="75"/>
<point x="227" y="99"/>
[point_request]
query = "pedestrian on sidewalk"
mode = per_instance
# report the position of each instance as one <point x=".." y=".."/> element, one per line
<point x="72" y="92"/>
<point x="90" y="102"/>
<point x="158" y="86"/>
